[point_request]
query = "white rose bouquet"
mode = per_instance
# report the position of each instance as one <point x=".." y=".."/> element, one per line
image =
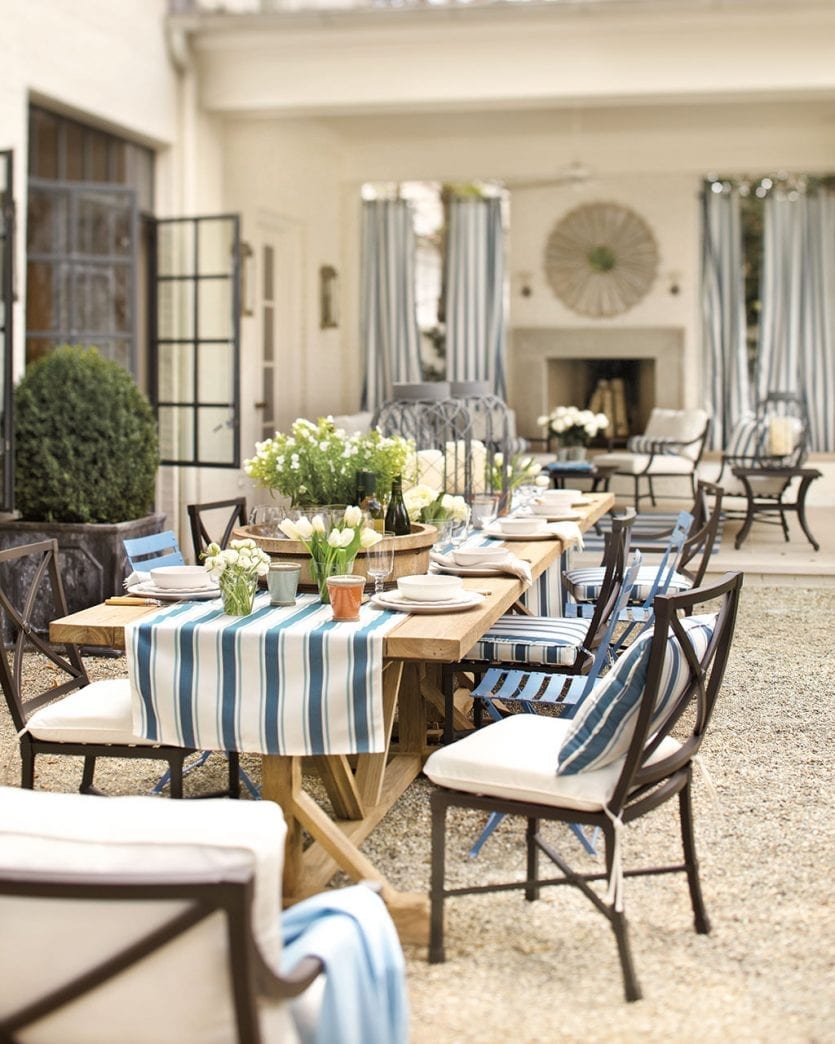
<point x="236" y="570"/>
<point x="332" y="545"/>
<point x="427" y="505"/>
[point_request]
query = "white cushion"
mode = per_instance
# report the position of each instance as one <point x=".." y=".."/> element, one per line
<point x="684" y="425"/>
<point x="636" y="463"/>
<point x="98" y="713"/>
<point x="515" y="759"/>
<point x="182" y="992"/>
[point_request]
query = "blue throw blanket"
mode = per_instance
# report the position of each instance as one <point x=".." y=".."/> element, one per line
<point x="350" y="930"/>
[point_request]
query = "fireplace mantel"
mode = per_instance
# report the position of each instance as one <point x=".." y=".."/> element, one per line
<point x="545" y="365"/>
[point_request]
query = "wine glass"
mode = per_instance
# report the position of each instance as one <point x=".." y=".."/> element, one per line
<point x="459" y="530"/>
<point x="484" y="510"/>
<point x="380" y="561"/>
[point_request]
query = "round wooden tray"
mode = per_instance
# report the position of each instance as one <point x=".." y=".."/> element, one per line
<point x="411" y="552"/>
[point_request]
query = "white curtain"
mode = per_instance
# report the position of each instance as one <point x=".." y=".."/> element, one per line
<point x="475" y="326"/>
<point x="727" y="385"/>
<point x="388" y="318"/>
<point x="797" y="326"/>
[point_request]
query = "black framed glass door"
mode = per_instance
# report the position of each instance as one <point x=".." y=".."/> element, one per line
<point x="195" y="339"/>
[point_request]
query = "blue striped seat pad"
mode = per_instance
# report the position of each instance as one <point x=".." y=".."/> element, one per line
<point x="538" y="640"/>
<point x="584" y="584"/>
<point x="604" y="723"/>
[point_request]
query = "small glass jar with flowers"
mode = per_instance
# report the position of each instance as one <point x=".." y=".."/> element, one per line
<point x="574" y="428"/>
<point x="331" y="542"/>
<point x="441" y="510"/>
<point x="236" y="570"/>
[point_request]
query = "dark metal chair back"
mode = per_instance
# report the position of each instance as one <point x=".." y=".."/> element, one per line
<point x="228" y="513"/>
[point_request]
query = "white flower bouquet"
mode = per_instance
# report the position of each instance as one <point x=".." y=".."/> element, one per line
<point x="236" y="570"/>
<point x="332" y="545"/>
<point x="427" y="505"/>
<point x="574" y="427"/>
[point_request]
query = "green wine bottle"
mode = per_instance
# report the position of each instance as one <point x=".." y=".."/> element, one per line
<point x="397" y="517"/>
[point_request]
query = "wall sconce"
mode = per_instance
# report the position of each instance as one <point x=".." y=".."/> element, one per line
<point x="247" y="255"/>
<point x="328" y="297"/>
<point x="525" y="279"/>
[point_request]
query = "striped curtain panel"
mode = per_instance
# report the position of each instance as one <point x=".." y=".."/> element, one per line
<point x="388" y="316"/>
<point x="475" y="329"/>
<point x="727" y="390"/>
<point x="797" y="328"/>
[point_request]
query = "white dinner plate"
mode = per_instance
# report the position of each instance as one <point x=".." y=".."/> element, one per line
<point x="390" y="600"/>
<point x="194" y="594"/>
<point x="474" y="570"/>
<point x="494" y="531"/>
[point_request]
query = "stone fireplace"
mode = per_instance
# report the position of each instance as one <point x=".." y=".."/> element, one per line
<point x="562" y="366"/>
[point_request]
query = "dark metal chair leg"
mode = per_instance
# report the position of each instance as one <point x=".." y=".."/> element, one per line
<point x="27" y="770"/>
<point x="234" y="774"/>
<point x="436" y="886"/>
<point x="88" y="773"/>
<point x="448" y="686"/>
<point x="176" y="767"/>
<point x="531" y="886"/>
<point x="700" y="918"/>
<point x="631" y="988"/>
<point x="805" y="482"/>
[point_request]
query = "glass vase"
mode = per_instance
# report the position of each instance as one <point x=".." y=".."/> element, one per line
<point x="238" y="594"/>
<point x="321" y="569"/>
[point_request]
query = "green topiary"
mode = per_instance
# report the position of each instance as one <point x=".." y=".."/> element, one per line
<point x="86" y="445"/>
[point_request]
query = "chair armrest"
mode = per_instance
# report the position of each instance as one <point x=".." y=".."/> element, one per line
<point x="289" y="984"/>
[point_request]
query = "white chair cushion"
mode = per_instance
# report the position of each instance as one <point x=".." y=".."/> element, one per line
<point x="182" y="992"/>
<point x="603" y="726"/>
<point x="98" y="713"/>
<point x="584" y="584"/>
<point x="515" y="758"/>
<point x="532" y="640"/>
<point x="684" y="425"/>
<point x="636" y="463"/>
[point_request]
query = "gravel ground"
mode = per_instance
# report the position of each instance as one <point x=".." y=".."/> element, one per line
<point x="548" y="971"/>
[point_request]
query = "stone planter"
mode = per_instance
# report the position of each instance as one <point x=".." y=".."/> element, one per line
<point x="91" y="556"/>
<point x="411" y="553"/>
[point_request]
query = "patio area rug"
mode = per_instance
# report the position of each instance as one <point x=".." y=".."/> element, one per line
<point x="646" y="522"/>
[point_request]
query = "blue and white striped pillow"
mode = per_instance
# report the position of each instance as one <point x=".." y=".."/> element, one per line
<point x="746" y="438"/>
<point x="653" y="444"/>
<point x="605" y="721"/>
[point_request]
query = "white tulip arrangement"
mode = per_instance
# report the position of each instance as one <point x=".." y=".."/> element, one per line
<point x="332" y="546"/>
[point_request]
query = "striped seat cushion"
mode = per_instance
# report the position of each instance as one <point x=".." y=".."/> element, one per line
<point x="746" y="438"/>
<point x="535" y="640"/>
<point x="648" y="444"/>
<point x="605" y="720"/>
<point x="584" y="584"/>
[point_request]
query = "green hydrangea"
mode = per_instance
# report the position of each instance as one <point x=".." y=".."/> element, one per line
<point x="316" y="463"/>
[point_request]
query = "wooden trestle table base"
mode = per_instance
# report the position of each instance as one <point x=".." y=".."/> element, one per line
<point x="362" y="789"/>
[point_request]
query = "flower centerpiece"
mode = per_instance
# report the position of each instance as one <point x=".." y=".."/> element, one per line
<point x="316" y="463"/>
<point x="574" y="427"/>
<point x="331" y="544"/>
<point x="427" y="505"/>
<point x="236" y="570"/>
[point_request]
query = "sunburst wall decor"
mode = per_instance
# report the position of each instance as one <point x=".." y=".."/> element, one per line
<point x="601" y="259"/>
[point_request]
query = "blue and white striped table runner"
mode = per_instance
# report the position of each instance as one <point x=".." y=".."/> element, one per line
<point x="279" y="681"/>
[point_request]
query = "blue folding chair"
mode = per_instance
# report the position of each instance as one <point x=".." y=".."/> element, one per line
<point x="158" y="549"/>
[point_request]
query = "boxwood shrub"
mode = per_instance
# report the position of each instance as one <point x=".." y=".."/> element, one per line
<point x="86" y="445"/>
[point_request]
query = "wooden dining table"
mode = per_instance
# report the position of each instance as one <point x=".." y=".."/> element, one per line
<point x="362" y="788"/>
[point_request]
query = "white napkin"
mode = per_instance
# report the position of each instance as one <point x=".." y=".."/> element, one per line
<point x="568" y="532"/>
<point x="137" y="577"/>
<point x="512" y="566"/>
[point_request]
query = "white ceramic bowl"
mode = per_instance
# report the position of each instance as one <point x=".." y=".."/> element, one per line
<point x="551" y="507"/>
<point x="471" y="556"/>
<point x="180" y="578"/>
<point x="521" y="526"/>
<point x="429" y="587"/>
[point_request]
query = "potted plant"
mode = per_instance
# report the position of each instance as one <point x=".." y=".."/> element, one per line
<point x="86" y="458"/>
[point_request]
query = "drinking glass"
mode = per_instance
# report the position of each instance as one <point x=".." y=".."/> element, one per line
<point x="459" y="530"/>
<point x="380" y="561"/>
<point x="484" y="510"/>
